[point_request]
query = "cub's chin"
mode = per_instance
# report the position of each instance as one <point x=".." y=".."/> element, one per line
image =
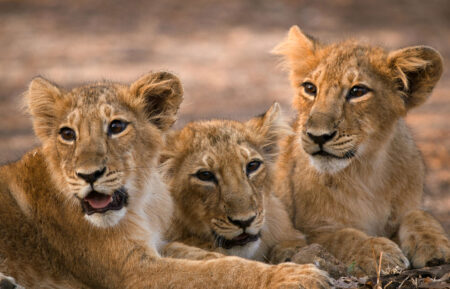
<point x="244" y="245"/>
<point x="328" y="162"/>
<point x="106" y="219"/>
<point x="325" y="160"/>
<point x="330" y="165"/>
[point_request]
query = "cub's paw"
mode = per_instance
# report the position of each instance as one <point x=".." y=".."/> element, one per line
<point x="8" y="283"/>
<point x="365" y="261"/>
<point x="319" y="256"/>
<point x="283" y="255"/>
<point x="427" y="250"/>
<point x="290" y="276"/>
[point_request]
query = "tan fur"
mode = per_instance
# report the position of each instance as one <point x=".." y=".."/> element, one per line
<point x="47" y="241"/>
<point x="370" y="202"/>
<point x="205" y="209"/>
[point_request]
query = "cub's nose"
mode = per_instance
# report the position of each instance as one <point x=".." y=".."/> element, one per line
<point x="242" y="223"/>
<point x="92" y="177"/>
<point x="321" y="139"/>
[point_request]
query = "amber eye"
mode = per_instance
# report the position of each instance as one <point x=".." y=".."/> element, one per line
<point x="67" y="134"/>
<point x="206" y="176"/>
<point x="252" y="166"/>
<point x="117" y="126"/>
<point x="310" y="88"/>
<point x="357" y="91"/>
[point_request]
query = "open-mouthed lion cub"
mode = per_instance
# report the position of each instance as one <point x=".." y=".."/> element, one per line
<point x="352" y="176"/>
<point x="219" y="173"/>
<point x="88" y="208"/>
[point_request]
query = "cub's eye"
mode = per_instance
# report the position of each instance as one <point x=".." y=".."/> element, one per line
<point x="67" y="134"/>
<point x="357" y="91"/>
<point x="252" y="166"/>
<point x="206" y="176"/>
<point x="310" y="88"/>
<point x="117" y="126"/>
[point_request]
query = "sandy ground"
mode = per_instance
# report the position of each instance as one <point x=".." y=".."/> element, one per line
<point x="220" y="49"/>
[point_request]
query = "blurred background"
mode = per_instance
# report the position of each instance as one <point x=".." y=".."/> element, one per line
<point x="220" y="50"/>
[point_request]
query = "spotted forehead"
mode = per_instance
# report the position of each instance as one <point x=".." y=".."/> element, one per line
<point x="221" y="139"/>
<point x="216" y="135"/>
<point x="344" y="63"/>
<point x="94" y="95"/>
<point x="93" y="101"/>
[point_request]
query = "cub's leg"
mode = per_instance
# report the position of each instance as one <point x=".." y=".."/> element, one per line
<point x="279" y="234"/>
<point x="8" y="283"/>
<point x="423" y="240"/>
<point x="288" y="244"/>
<point x="224" y="273"/>
<point x="360" y="252"/>
<point x="182" y="251"/>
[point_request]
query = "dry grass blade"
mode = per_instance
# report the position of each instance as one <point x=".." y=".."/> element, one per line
<point x="403" y="282"/>
<point x="378" y="285"/>
<point x="389" y="283"/>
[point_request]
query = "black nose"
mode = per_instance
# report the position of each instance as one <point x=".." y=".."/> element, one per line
<point x="91" y="178"/>
<point x="321" y="139"/>
<point x="242" y="223"/>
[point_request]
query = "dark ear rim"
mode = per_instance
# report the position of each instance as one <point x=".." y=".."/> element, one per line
<point x="417" y="70"/>
<point x="272" y="127"/>
<point x="161" y="94"/>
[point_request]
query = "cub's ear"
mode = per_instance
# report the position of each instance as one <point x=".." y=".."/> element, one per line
<point x="271" y="128"/>
<point x="297" y="49"/>
<point x="167" y="156"/>
<point x="162" y="94"/>
<point x="417" y="70"/>
<point x="41" y="99"/>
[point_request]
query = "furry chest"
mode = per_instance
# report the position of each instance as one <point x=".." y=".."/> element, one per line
<point x="362" y="208"/>
<point x="354" y="206"/>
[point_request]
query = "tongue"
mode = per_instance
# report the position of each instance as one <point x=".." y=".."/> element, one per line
<point x="98" y="201"/>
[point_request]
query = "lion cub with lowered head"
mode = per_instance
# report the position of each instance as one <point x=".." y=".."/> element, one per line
<point x="88" y="208"/>
<point x="352" y="176"/>
<point x="220" y="175"/>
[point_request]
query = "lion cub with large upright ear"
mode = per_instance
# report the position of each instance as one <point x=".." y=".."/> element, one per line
<point x="88" y="208"/>
<point x="352" y="175"/>
<point x="220" y="174"/>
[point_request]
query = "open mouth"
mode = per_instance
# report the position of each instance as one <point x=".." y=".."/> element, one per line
<point x="96" y="202"/>
<point x="240" y="240"/>
<point x="348" y="155"/>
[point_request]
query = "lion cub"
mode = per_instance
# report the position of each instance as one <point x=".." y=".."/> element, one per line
<point x="351" y="175"/>
<point x="88" y="208"/>
<point x="220" y="174"/>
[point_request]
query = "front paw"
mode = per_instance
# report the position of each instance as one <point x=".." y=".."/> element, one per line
<point x="290" y="276"/>
<point x="366" y="258"/>
<point x="427" y="250"/>
<point x="280" y="253"/>
<point x="319" y="256"/>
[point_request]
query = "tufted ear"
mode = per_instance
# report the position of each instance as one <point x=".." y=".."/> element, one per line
<point x="297" y="49"/>
<point x="271" y="127"/>
<point x="162" y="94"/>
<point x="41" y="99"/>
<point x="167" y="155"/>
<point x="417" y="70"/>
